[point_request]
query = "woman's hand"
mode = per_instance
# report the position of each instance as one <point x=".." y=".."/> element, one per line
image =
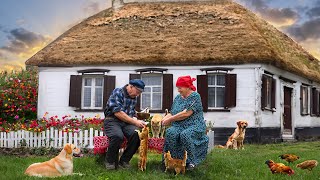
<point x="166" y="121"/>
<point x="139" y="123"/>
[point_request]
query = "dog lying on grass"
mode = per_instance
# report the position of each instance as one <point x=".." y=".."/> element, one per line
<point x="60" y="165"/>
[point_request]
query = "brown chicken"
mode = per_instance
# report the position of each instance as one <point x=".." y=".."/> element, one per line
<point x="279" y="168"/>
<point x="289" y="157"/>
<point x="308" y="164"/>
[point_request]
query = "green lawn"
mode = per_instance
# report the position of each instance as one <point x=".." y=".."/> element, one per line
<point x="220" y="164"/>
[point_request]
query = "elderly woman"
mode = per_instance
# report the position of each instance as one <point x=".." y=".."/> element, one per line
<point x="187" y="131"/>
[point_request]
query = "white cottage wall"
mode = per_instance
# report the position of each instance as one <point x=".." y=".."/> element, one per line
<point x="54" y="87"/>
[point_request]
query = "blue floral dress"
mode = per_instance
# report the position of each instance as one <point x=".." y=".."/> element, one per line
<point x="188" y="134"/>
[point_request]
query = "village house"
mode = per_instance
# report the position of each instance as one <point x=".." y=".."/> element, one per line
<point x="245" y="68"/>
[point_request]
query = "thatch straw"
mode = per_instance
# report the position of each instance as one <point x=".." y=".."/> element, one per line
<point x="188" y="33"/>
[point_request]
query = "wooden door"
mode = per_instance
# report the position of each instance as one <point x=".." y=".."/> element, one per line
<point x="287" y="115"/>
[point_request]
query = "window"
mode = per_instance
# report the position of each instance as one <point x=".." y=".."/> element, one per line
<point x="216" y="90"/>
<point x="304" y="100"/>
<point x="152" y="95"/>
<point x="268" y="93"/>
<point x="92" y="92"/>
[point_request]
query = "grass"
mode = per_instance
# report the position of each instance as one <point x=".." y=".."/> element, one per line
<point x="220" y="164"/>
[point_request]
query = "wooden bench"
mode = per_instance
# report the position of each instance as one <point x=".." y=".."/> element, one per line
<point x="101" y="143"/>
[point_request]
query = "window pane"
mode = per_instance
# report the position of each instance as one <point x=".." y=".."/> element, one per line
<point x="220" y="97"/>
<point x="269" y="89"/>
<point x="99" y="82"/>
<point x="98" y="97"/>
<point x="152" y="80"/>
<point x="211" y="80"/>
<point x="221" y="80"/>
<point x="147" y="89"/>
<point x="146" y="100"/>
<point x="156" y="101"/>
<point x="211" y="97"/>
<point x="87" y="81"/>
<point x="87" y="97"/>
<point x="156" y="89"/>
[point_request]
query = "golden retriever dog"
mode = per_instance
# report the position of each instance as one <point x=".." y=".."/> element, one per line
<point x="235" y="141"/>
<point x="60" y="165"/>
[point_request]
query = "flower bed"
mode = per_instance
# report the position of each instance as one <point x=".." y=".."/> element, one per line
<point x="66" y="124"/>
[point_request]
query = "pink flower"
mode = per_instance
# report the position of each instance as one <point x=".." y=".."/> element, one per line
<point x="16" y="117"/>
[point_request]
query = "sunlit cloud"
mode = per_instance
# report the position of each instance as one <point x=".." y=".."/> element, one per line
<point x="21" y="45"/>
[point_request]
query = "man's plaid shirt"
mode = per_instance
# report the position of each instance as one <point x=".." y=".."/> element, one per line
<point x="120" y="100"/>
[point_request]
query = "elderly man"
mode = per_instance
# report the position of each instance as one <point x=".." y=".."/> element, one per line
<point x="119" y="123"/>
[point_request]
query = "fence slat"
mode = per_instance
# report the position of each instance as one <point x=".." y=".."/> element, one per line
<point x="51" y="137"/>
<point x="75" y="139"/>
<point x="70" y="138"/>
<point x="85" y="143"/>
<point x="47" y="138"/>
<point x="27" y="138"/>
<point x="65" y="135"/>
<point x="60" y="139"/>
<point x="81" y="138"/>
<point x="91" y="138"/>
<point x="55" y="138"/>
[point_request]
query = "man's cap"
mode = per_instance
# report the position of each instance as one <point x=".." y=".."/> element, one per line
<point x="138" y="83"/>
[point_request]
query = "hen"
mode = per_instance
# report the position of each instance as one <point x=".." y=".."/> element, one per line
<point x="289" y="157"/>
<point x="308" y="164"/>
<point x="279" y="168"/>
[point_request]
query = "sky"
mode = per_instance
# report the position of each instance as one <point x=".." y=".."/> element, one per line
<point x="29" y="25"/>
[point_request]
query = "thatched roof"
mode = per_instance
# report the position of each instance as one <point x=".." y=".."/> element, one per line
<point x="181" y="33"/>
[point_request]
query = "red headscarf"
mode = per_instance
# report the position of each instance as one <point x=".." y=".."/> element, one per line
<point x="186" y="81"/>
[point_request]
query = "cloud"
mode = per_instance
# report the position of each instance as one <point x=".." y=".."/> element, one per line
<point x="91" y="7"/>
<point x="22" y="40"/>
<point x="314" y="12"/>
<point x="279" y="17"/>
<point x="21" y="45"/>
<point x="308" y="30"/>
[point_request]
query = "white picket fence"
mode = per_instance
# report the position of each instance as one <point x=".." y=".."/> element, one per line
<point x="49" y="138"/>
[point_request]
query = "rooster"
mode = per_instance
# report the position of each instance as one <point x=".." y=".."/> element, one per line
<point x="289" y="157"/>
<point x="279" y="168"/>
<point x="308" y="164"/>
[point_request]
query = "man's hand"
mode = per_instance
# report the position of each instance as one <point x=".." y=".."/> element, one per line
<point x="139" y="123"/>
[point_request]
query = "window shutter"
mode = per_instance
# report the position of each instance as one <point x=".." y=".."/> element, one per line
<point x="263" y="91"/>
<point x="230" y="91"/>
<point x="301" y="100"/>
<point x="273" y="93"/>
<point x="75" y="91"/>
<point x="314" y="102"/>
<point x="109" y="85"/>
<point x="167" y="91"/>
<point x="202" y="86"/>
<point x="318" y="105"/>
<point x="136" y="76"/>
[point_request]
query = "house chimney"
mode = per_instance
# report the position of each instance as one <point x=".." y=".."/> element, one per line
<point x="116" y="4"/>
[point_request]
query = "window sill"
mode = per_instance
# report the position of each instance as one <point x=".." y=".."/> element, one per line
<point x="156" y="111"/>
<point x="218" y="110"/>
<point x="305" y="114"/>
<point x="89" y="110"/>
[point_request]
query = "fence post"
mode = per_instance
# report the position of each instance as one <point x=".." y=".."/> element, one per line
<point x="80" y="138"/>
<point x="85" y="143"/>
<point x="91" y="138"/>
<point x="55" y="138"/>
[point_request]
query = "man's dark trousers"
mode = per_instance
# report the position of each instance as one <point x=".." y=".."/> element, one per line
<point x="116" y="130"/>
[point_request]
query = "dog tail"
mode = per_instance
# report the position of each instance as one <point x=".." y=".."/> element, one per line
<point x="185" y="156"/>
<point x="221" y="147"/>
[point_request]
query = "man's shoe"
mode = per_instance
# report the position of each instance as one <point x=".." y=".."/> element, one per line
<point x="124" y="165"/>
<point x="110" y="166"/>
<point x="190" y="167"/>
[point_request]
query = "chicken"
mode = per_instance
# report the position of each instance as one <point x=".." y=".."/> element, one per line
<point x="279" y="168"/>
<point x="289" y="157"/>
<point x="308" y="164"/>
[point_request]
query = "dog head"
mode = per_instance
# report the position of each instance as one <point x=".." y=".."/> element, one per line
<point x="72" y="150"/>
<point x="242" y="124"/>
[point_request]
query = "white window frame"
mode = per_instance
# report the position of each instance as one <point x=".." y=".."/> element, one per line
<point x="215" y="87"/>
<point x="151" y="97"/>
<point x="305" y="99"/>
<point x="93" y="91"/>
